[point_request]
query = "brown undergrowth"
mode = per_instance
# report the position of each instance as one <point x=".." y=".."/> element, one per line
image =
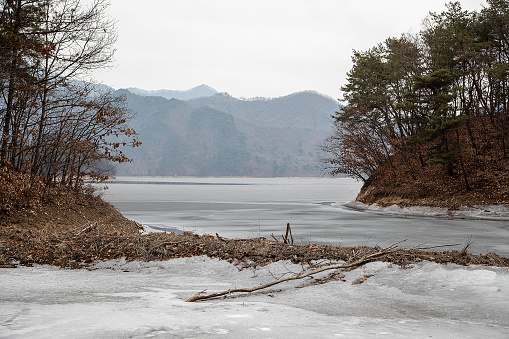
<point x="479" y="176"/>
<point x="77" y="247"/>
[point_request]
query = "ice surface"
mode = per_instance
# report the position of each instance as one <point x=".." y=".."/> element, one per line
<point x="147" y="300"/>
<point x="316" y="208"/>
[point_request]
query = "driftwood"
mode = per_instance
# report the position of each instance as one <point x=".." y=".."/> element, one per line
<point x="286" y="240"/>
<point x="359" y="262"/>
<point x="288" y="231"/>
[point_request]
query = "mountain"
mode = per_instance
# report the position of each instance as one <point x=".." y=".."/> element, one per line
<point x="221" y="135"/>
<point x="303" y="109"/>
<point x="196" y="92"/>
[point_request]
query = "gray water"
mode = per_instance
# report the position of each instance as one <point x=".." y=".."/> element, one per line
<point x="315" y="208"/>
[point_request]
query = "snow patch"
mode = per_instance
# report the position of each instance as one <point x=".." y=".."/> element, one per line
<point x="476" y="212"/>
<point x="120" y="299"/>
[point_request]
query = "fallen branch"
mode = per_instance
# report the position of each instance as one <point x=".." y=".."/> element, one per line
<point x="359" y="262"/>
<point x="438" y="246"/>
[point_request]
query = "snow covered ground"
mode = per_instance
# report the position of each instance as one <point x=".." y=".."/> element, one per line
<point x="147" y="300"/>
<point x="476" y="212"/>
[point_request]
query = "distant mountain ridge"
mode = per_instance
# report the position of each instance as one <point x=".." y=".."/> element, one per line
<point x="196" y="92"/>
<point x="304" y="108"/>
<point x="220" y="135"/>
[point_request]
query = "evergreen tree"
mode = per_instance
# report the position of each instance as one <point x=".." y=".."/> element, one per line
<point x="412" y="96"/>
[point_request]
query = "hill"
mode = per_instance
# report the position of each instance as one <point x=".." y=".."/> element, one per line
<point x="426" y="117"/>
<point x="196" y="92"/>
<point x="221" y="135"/>
<point x="482" y="177"/>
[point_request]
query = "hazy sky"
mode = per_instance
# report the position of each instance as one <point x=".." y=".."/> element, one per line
<point x="254" y="48"/>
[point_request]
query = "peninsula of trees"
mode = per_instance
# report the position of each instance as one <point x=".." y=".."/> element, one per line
<point x="426" y="116"/>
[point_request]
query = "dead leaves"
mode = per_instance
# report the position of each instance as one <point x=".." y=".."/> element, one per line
<point x="362" y="279"/>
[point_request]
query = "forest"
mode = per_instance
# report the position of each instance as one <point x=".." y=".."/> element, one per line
<point x="425" y="117"/>
<point x="56" y="125"/>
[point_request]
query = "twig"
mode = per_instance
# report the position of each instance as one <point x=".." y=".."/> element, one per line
<point x="464" y="251"/>
<point x="437" y="246"/>
<point x="421" y="244"/>
<point x="397" y="243"/>
<point x="87" y="228"/>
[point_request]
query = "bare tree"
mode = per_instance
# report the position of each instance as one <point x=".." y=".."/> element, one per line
<point x="55" y="124"/>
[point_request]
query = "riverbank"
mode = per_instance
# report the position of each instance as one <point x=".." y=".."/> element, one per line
<point x="475" y="212"/>
<point x="73" y="230"/>
<point x="106" y="235"/>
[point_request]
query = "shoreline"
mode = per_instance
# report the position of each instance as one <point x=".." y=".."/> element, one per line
<point x="475" y="212"/>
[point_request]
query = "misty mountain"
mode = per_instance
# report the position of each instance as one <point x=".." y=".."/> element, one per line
<point x="303" y="109"/>
<point x="221" y="135"/>
<point x="196" y="92"/>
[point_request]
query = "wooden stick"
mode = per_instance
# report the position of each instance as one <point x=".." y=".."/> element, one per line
<point x="430" y="247"/>
<point x="86" y="228"/>
<point x="285" y="238"/>
<point x="365" y="259"/>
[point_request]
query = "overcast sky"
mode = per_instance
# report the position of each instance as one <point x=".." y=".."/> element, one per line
<point x="252" y="48"/>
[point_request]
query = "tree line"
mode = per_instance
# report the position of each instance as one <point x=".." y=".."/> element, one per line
<point x="435" y="99"/>
<point x="54" y="122"/>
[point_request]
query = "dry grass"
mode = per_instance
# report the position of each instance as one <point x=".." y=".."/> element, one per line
<point x="80" y="247"/>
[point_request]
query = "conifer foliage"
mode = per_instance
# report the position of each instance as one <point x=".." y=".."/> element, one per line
<point x="434" y="103"/>
<point x="54" y="123"/>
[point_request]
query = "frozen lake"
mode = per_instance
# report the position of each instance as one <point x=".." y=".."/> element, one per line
<point x="315" y="208"/>
<point x="119" y="299"/>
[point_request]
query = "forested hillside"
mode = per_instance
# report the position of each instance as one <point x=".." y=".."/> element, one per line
<point x="426" y="117"/>
<point x="224" y="136"/>
<point x="54" y="126"/>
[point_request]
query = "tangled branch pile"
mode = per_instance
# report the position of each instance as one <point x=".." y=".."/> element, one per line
<point x="88" y="229"/>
